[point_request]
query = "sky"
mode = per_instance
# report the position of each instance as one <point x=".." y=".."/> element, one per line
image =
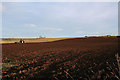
<point x="60" y="0"/>
<point x="59" y="19"/>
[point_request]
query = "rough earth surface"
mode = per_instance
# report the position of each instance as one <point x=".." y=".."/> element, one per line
<point x="71" y="59"/>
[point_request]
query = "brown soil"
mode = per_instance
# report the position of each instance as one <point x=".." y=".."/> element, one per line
<point x="70" y="59"/>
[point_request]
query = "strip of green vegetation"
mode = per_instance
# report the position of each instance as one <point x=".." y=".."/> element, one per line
<point x="10" y="39"/>
<point x="10" y="64"/>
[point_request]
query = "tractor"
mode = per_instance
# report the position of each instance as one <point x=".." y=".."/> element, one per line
<point x="21" y="41"/>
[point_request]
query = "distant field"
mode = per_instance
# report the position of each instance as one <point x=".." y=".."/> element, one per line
<point x="29" y="40"/>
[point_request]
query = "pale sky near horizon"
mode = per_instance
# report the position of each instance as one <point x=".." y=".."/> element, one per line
<point x="59" y="19"/>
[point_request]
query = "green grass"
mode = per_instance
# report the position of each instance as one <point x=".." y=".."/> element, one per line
<point x="10" y="64"/>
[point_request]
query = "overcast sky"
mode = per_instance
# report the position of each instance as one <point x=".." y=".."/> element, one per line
<point x="62" y="19"/>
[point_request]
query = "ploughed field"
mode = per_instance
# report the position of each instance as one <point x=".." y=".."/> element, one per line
<point x="69" y="59"/>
